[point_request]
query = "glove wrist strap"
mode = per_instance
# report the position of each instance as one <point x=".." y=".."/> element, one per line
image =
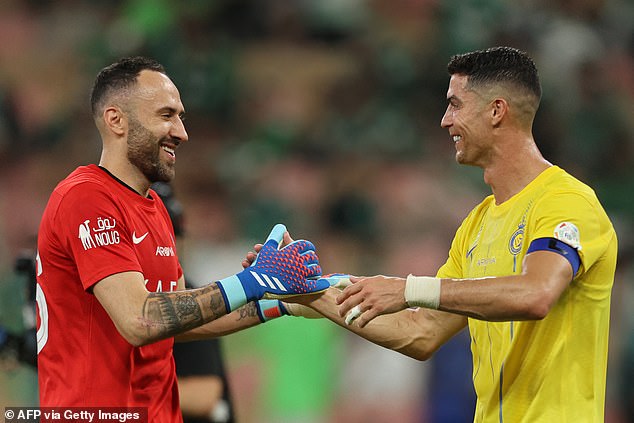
<point x="422" y="291"/>
<point x="232" y="292"/>
<point x="270" y="309"/>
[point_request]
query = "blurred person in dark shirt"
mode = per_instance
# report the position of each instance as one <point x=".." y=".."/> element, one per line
<point x="202" y="380"/>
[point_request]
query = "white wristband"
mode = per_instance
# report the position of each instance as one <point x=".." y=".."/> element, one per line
<point x="422" y="291"/>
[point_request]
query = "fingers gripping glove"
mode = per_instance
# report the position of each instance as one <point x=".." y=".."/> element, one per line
<point x="335" y="280"/>
<point x="275" y="273"/>
<point x="272" y="309"/>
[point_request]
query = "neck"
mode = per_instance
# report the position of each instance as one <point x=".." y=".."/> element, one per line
<point x="126" y="173"/>
<point x="511" y="171"/>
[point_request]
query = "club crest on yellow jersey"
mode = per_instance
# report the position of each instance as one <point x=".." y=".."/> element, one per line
<point x="517" y="240"/>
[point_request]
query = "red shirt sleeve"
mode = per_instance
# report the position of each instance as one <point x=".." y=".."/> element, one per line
<point x="93" y="226"/>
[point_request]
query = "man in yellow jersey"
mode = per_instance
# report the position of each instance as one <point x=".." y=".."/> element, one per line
<point x="530" y="270"/>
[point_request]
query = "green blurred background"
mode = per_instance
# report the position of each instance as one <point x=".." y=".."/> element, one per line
<point x="323" y="114"/>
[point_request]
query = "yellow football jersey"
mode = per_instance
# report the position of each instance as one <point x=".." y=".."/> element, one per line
<point x="554" y="369"/>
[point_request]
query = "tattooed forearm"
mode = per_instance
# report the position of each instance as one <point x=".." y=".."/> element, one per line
<point x="166" y="314"/>
<point x="216" y="301"/>
<point x="247" y="311"/>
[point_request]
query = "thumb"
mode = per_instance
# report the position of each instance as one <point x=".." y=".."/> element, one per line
<point x="276" y="236"/>
<point x="287" y="239"/>
<point x="355" y="279"/>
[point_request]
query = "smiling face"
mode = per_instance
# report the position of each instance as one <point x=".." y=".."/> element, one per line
<point x="466" y="119"/>
<point x="146" y="152"/>
<point x="155" y="126"/>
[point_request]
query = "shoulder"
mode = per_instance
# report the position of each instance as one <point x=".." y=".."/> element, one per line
<point x="85" y="182"/>
<point x="566" y="194"/>
<point x="87" y="193"/>
<point x="84" y="178"/>
<point x="561" y="182"/>
<point x="558" y="192"/>
<point x="570" y="207"/>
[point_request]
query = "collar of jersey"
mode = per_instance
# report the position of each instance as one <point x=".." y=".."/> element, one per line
<point x="539" y="180"/>
<point x="148" y="202"/>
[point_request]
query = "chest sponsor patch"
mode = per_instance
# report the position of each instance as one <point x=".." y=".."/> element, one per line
<point x="102" y="233"/>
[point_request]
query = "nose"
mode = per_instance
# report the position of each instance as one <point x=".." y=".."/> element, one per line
<point x="178" y="130"/>
<point x="445" y="122"/>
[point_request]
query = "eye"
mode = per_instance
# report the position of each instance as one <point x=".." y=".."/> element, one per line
<point x="453" y="102"/>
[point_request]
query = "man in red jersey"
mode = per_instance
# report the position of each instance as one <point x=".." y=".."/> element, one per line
<point x="110" y="291"/>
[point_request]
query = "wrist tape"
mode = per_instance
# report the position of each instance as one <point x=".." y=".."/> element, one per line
<point x="422" y="291"/>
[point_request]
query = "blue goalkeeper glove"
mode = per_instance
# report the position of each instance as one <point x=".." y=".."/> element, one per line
<point x="276" y="273"/>
<point x="337" y="280"/>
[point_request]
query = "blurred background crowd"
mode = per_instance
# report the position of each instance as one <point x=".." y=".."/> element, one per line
<point x="324" y="115"/>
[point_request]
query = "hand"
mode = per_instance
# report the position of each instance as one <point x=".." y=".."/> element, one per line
<point x="338" y="280"/>
<point x="252" y="255"/>
<point x="275" y="273"/>
<point x="272" y="309"/>
<point x="369" y="297"/>
<point x="299" y="309"/>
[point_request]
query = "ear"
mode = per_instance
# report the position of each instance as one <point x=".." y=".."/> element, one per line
<point x="115" y="120"/>
<point x="499" y="109"/>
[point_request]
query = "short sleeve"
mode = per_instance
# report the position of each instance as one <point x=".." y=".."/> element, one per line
<point x="577" y="220"/>
<point x="92" y="227"/>
<point x="452" y="269"/>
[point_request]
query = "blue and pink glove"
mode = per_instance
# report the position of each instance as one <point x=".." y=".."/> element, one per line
<point x="337" y="280"/>
<point x="276" y="273"/>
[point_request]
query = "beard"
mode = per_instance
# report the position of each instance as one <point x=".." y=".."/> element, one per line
<point x="144" y="151"/>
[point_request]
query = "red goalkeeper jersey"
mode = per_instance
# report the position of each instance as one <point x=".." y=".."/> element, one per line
<point x="95" y="226"/>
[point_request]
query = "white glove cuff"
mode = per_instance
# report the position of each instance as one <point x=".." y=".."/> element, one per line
<point x="422" y="291"/>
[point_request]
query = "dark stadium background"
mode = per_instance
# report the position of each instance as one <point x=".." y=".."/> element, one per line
<point x="324" y="115"/>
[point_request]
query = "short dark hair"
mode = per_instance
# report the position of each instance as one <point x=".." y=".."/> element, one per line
<point x="118" y="76"/>
<point x="497" y="65"/>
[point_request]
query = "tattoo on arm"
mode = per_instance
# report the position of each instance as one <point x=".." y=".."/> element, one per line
<point x="248" y="311"/>
<point x="217" y="302"/>
<point x="166" y="314"/>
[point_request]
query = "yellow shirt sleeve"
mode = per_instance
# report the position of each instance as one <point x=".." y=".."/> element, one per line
<point x="576" y="219"/>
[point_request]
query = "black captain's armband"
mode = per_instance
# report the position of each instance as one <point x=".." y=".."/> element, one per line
<point x="559" y="247"/>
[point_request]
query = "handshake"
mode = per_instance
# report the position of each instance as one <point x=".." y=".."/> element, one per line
<point x="277" y="273"/>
